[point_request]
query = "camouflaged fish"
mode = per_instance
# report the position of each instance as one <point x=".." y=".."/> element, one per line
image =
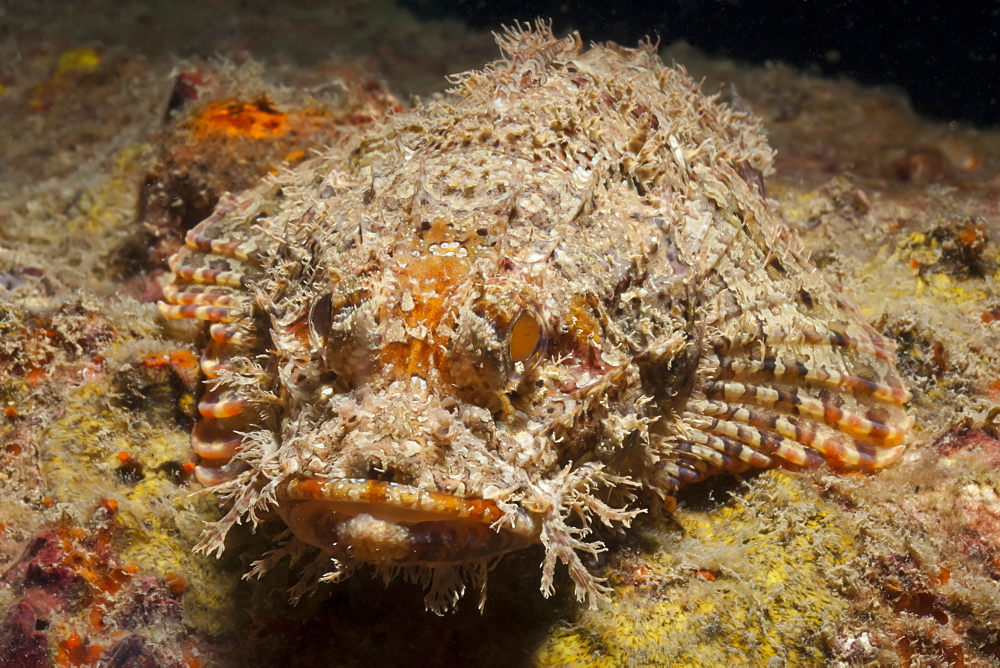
<point x="542" y="302"/>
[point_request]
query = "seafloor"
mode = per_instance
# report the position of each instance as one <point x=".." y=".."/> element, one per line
<point x="105" y="159"/>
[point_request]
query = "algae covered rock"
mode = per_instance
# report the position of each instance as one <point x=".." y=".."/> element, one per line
<point x="760" y="579"/>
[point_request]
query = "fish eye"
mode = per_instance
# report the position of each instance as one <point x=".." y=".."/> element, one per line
<point x="320" y="320"/>
<point x="527" y="339"/>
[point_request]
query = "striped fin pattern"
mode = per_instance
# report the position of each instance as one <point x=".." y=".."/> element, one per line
<point x="791" y="375"/>
<point x="219" y="260"/>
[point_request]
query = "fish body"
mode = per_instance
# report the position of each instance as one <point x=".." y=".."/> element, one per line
<point x="542" y="302"/>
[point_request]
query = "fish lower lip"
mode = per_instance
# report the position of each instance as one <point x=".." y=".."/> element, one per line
<point x="390" y="523"/>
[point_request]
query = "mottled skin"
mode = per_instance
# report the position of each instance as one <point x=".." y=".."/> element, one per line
<point x="555" y="295"/>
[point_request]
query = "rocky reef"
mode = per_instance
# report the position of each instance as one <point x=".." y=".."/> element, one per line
<point x="113" y="147"/>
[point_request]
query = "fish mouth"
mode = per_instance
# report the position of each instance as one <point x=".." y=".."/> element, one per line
<point x="389" y="523"/>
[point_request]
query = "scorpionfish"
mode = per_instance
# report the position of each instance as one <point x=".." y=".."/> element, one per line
<point x="540" y="303"/>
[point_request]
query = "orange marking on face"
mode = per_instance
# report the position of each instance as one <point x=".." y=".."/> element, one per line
<point x="375" y="492"/>
<point x="450" y="505"/>
<point x="582" y="326"/>
<point x="430" y="280"/>
<point x="480" y="509"/>
<point x="311" y="488"/>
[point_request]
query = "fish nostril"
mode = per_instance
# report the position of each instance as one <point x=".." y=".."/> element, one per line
<point x="444" y="432"/>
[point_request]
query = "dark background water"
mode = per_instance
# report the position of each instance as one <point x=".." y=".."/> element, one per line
<point x="944" y="54"/>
